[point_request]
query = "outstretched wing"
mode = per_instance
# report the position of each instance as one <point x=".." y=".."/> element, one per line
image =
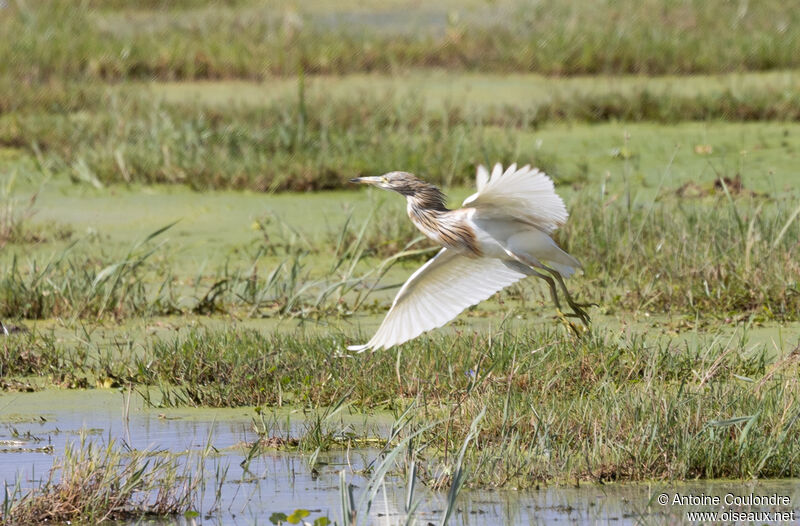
<point x="526" y="194"/>
<point x="436" y="293"/>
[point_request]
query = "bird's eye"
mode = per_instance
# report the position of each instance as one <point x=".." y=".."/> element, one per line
<point x="385" y="179"/>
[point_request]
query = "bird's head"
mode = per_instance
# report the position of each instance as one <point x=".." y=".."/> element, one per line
<point x="401" y="182"/>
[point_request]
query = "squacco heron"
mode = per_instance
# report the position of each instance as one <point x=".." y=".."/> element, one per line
<point x="499" y="236"/>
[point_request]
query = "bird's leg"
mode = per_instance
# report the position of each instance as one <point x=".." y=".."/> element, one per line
<point x="523" y="266"/>
<point x="552" y="285"/>
<point x="526" y="266"/>
<point x="577" y="308"/>
<point x="564" y="317"/>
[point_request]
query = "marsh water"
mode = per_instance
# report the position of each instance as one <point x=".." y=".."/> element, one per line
<point x="35" y="427"/>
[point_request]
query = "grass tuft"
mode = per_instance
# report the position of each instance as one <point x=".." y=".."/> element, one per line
<point x="93" y="484"/>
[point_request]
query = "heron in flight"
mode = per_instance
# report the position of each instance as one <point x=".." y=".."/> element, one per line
<point x="499" y="236"/>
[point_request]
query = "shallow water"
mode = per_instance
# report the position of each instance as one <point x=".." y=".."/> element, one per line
<point x="34" y="428"/>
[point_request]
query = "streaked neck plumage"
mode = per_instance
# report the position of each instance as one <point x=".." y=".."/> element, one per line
<point x="427" y="210"/>
<point x="426" y="197"/>
<point x="425" y="206"/>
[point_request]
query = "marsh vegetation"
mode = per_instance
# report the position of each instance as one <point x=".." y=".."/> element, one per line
<point x="175" y="222"/>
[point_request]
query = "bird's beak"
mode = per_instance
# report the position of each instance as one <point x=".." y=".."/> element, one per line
<point x="368" y="180"/>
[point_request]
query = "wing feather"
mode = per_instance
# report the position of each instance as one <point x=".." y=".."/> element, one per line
<point x="482" y="178"/>
<point x="436" y="293"/>
<point x="524" y="193"/>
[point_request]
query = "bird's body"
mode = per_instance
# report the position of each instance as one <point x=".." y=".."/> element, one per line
<point x="501" y="235"/>
<point x="453" y="229"/>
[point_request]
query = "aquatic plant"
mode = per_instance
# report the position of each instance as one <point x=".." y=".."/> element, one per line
<point x="77" y="287"/>
<point x="715" y="256"/>
<point x="93" y="484"/>
<point x="557" y="408"/>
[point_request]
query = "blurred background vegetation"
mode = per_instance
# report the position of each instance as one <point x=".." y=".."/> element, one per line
<point x="196" y="39"/>
<point x="303" y="95"/>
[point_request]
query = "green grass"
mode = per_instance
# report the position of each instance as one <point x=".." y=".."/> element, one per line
<point x="709" y="254"/>
<point x="316" y="143"/>
<point x="718" y="256"/>
<point x="279" y="147"/>
<point x="524" y="100"/>
<point x="480" y="91"/>
<point x="612" y="406"/>
<point x="200" y="40"/>
<point x="68" y="286"/>
<point x="17" y="220"/>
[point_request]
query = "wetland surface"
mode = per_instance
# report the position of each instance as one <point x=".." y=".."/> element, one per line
<point x="35" y="427"/>
<point x="187" y="261"/>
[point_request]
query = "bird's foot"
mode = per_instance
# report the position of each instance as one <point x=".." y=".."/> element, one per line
<point x="577" y="330"/>
<point x="578" y="311"/>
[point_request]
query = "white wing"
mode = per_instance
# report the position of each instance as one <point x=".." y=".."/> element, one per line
<point x="526" y="194"/>
<point x="436" y="293"/>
